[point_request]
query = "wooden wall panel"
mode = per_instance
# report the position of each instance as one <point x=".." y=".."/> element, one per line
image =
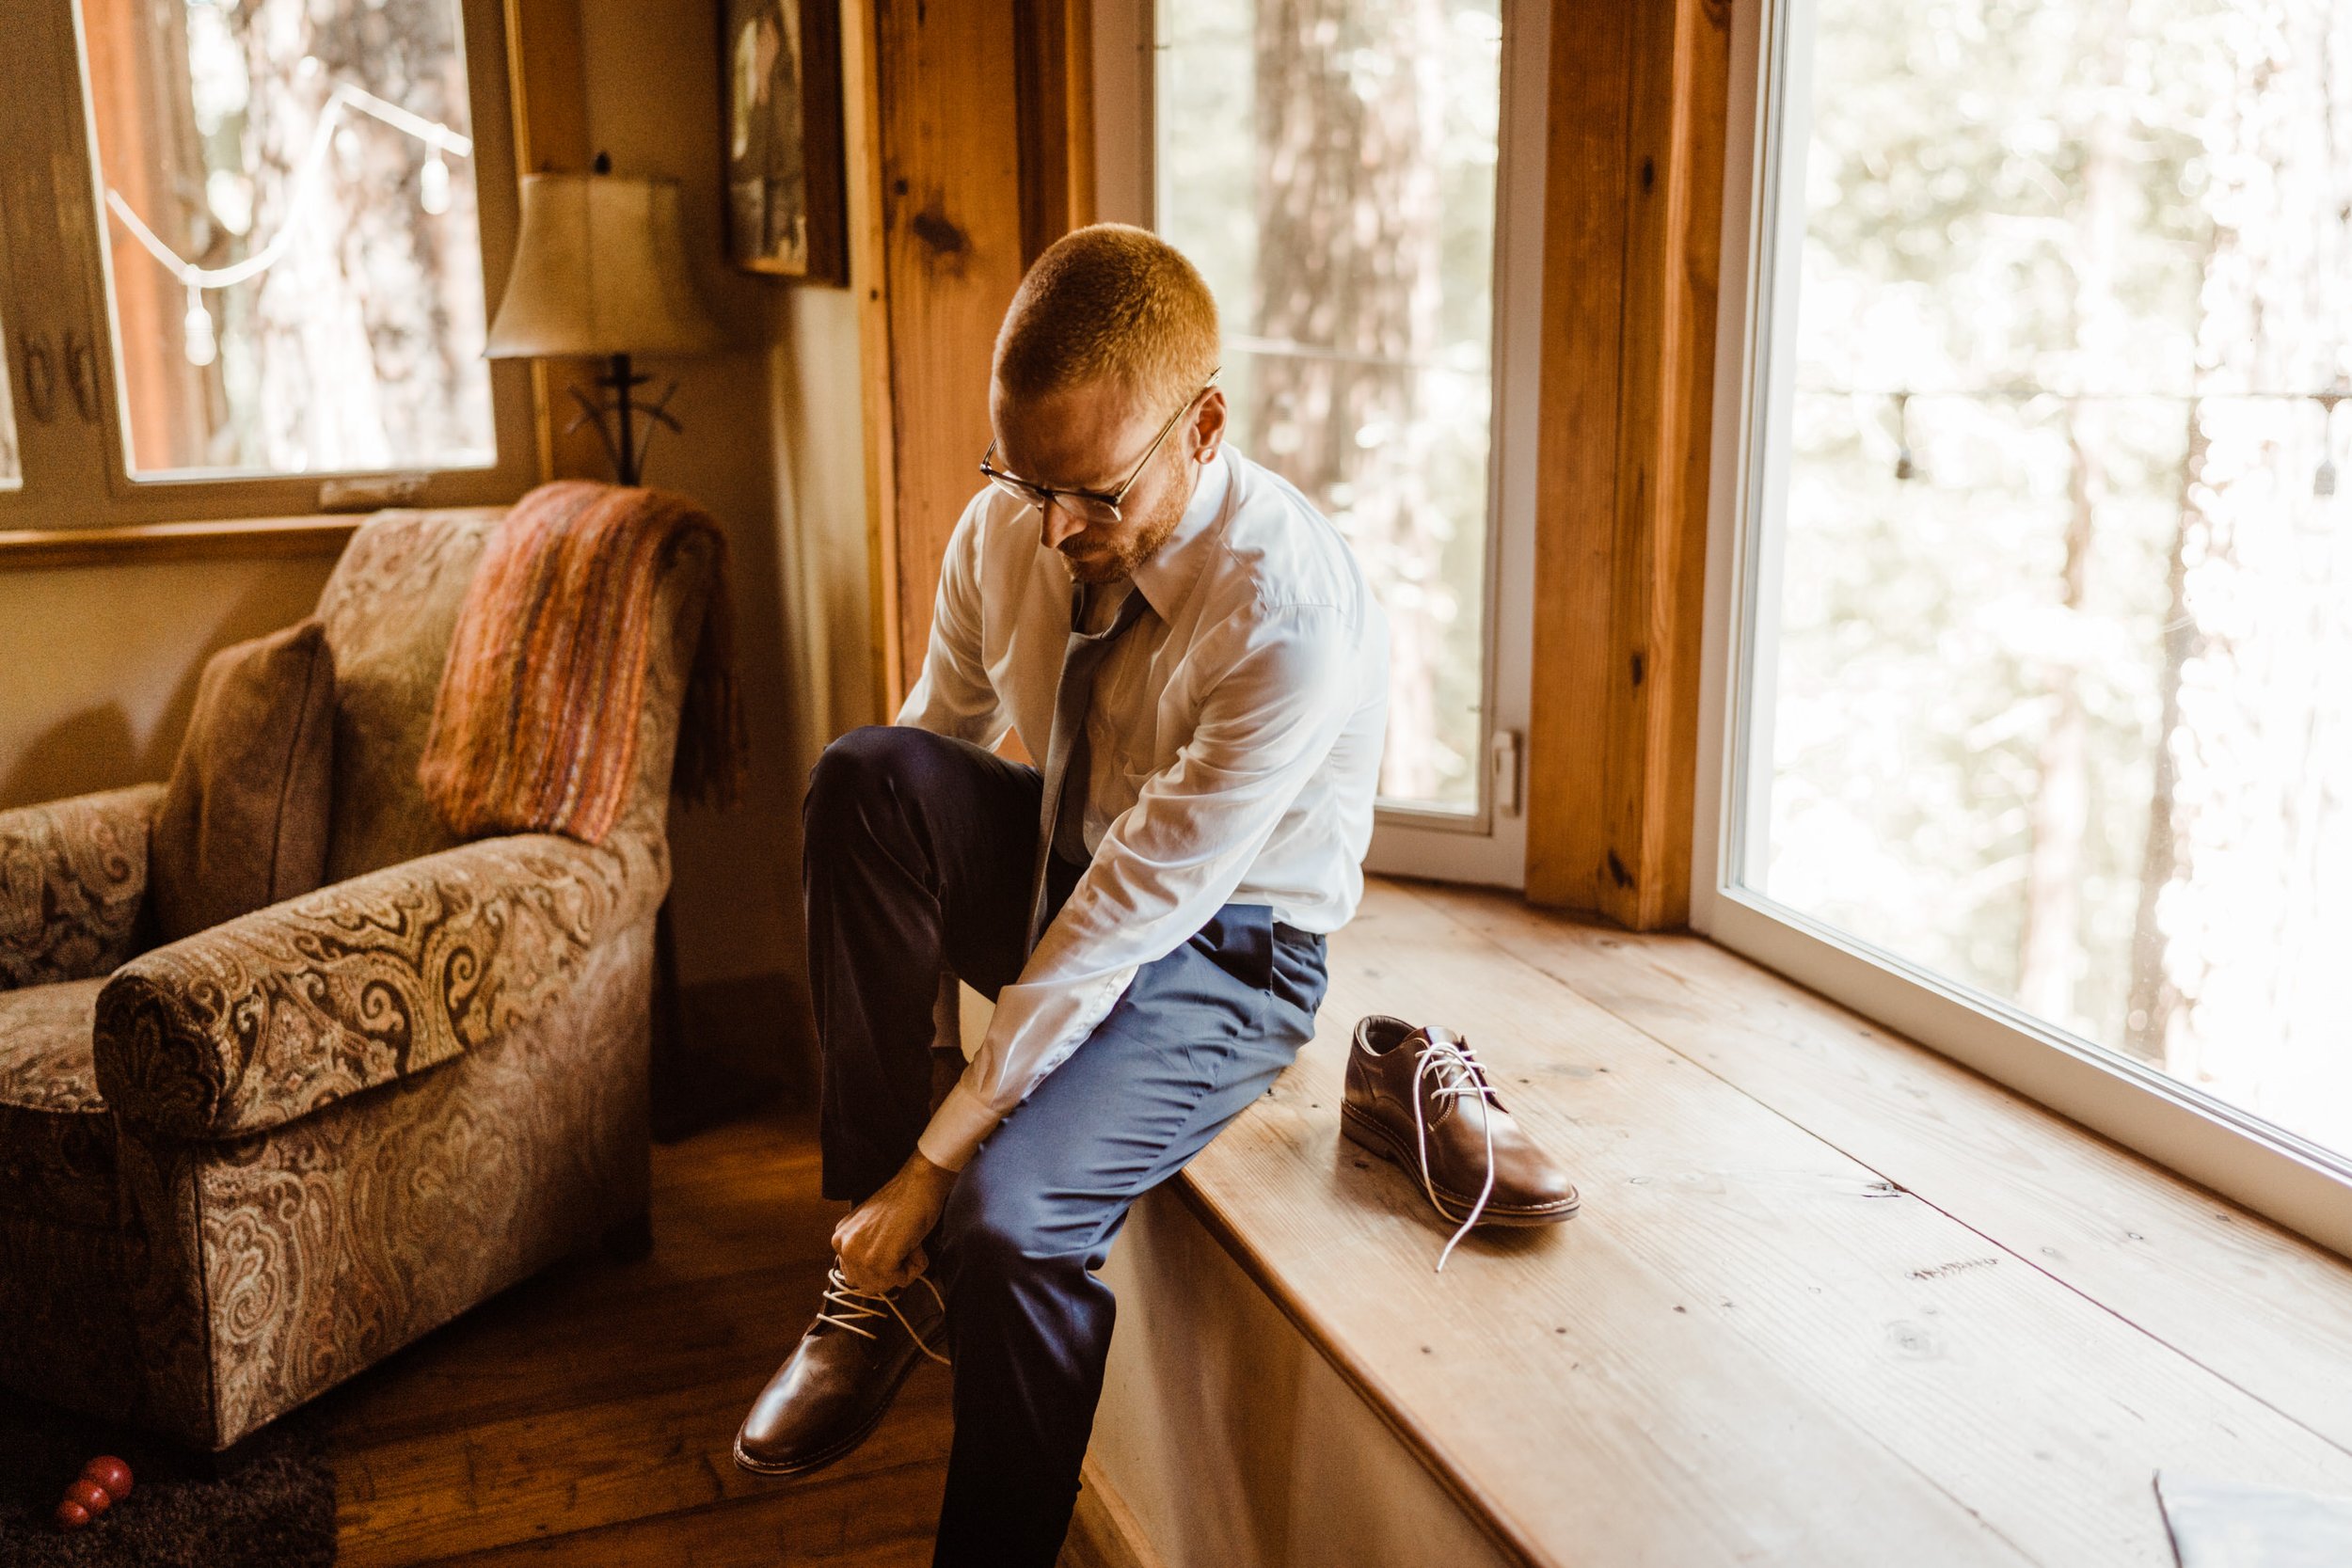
<point x="1633" y="211"/>
<point x="951" y="255"/>
<point x="973" y="182"/>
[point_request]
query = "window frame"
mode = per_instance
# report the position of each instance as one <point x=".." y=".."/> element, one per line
<point x="2300" y="1184"/>
<point x="80" y="478"/>
<point x="1486" y="845"/>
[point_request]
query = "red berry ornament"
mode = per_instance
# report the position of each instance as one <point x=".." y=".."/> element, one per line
<point x="89" y="1495"/>
<point x="72" y="1515"/>
<point x="110" y="1473"/>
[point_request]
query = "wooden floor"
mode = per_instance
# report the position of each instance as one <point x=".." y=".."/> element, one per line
<point x="1830" y="1296"/>
<point x="586" y="1415"/>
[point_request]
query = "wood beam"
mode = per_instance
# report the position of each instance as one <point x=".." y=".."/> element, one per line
<point x="1633" y="253"/>
<point x="971" y="182"/>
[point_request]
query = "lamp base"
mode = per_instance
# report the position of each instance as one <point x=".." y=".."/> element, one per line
<point x="615" y="409"/>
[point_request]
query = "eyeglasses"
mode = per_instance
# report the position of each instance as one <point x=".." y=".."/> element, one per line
<point x="1087" y="506"/>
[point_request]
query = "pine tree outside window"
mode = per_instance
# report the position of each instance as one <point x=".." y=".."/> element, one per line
<point x="248" y="249"/>
<point x="2035" y="566"/>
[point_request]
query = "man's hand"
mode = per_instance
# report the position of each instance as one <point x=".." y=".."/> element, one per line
<point x="880" y="1242"/>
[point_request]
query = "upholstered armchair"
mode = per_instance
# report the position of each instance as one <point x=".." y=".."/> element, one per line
<point x="237" y="1169"/>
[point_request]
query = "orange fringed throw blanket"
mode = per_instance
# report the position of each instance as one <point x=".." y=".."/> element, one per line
<point x="534" y="728"/>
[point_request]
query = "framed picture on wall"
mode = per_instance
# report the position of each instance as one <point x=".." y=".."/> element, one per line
<point x="786" y="183"/>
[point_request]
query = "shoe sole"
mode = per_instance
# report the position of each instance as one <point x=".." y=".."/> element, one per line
<point x="840" y="1450"/>
<point x="1370" y="1135"/>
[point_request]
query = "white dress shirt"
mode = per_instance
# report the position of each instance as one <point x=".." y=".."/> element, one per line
<point x="1234" y="735"/>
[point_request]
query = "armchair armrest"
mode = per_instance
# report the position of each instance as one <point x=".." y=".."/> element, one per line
<point x="73" y="877"/>
<point x="268" y="1016"/>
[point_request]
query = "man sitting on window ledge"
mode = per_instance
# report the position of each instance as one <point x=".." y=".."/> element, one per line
<point x="1191" y="651"/>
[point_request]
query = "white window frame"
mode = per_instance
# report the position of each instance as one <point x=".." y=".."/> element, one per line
<point x="2300" y="1184"/>
<point x="1486" y="845"/>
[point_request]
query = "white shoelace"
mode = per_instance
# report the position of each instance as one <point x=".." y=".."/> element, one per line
<point x="851" y="1310"/>
<point x="1459" y="1077"/>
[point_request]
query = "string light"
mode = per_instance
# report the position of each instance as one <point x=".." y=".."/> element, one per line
<point x="195" y="330"/>
<point x="2323" y="478"/>
<point x="432" y="179"/>
<point x="433" y="195"/>
<point x="2324" y="482"/>
<point x="1904" y="467"/>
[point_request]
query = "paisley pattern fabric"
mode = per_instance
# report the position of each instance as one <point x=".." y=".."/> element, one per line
<point x="268" y="1018"/>
<point x="73" y="874"/>
<point x="66" y="1327"/>
<point x="389" y="610"/>
<point x="278" y="1265"/>
<point x="293" y="1142"/>
<point x="56" y="1142"/>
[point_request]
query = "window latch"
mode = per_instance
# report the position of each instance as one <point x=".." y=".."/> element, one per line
<point x="80" y="374"/>
<point x="40" y="379"/>
<point x="1502" y="770"/>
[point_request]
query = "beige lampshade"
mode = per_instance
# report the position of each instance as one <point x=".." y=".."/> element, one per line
<point x="600" y="268"/>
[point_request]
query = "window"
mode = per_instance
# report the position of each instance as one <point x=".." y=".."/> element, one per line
<point x="274" y="228"/>
<point x="1349" y="217"/>
<point x="2039" y="567"/>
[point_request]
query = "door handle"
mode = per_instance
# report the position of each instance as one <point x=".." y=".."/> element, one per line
<point x="40" y="379"/>
<point x="81" y="372"/>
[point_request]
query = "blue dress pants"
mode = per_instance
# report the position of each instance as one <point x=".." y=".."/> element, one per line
<point x="918" y="855"/>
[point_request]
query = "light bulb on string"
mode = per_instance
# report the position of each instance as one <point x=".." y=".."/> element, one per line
<point x="2324" y="480"/>
<point x="433" y="181"/>
<point x="328" y="136"/>
<point x="196" y="330"/>
<point x="1904" y="467"/>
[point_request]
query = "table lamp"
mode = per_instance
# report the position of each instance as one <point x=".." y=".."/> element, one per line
<point x="602" y="271"/>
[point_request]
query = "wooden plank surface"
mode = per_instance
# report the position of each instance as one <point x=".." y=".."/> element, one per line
<point x="2225" y="1288"/>
<point x="586" y="1415"/>
<point x="240" y="538"/>
<point x="946" y="136"/>
<point x="1745" y="1334"/>
<point x="1632" y="255"/>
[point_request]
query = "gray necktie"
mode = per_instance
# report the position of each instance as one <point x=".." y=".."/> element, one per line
<point x="1061" y="814"/>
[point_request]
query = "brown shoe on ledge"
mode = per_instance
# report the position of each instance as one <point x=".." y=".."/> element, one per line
<point x="836" y="1386"/>
<point x="1419" y="1098"/>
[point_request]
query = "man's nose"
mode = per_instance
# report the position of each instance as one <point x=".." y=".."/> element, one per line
<point x="1059" y="525"/>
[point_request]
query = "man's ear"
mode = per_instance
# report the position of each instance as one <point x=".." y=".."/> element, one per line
<point x="1208" y="425"/>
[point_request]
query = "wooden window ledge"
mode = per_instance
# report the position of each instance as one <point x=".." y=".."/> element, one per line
<point x="28" y="550"/>
<point x="1829" y="1293"/>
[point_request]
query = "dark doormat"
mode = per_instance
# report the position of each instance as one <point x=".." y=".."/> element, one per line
<point x="272" y="1504"/>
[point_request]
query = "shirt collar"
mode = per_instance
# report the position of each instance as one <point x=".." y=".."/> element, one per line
<point x="1168" y="574"/>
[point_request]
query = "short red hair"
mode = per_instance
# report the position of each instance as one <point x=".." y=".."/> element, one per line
<point x="1109" y="302"/>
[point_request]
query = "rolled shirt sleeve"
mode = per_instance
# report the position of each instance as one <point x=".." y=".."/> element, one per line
<point x="1169" y="862"/>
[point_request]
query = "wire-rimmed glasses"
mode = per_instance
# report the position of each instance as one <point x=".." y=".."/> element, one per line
<point x="1087" y="506"/>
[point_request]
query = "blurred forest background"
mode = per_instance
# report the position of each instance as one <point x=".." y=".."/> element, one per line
<point x="357" y="344"/>
<point x="1329" y="166"/>
<point x="2056" y="653"/>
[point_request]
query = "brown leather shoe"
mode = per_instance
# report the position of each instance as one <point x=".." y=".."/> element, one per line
<point x="836" y="1386"/>
<point x="1419" y="1098"/>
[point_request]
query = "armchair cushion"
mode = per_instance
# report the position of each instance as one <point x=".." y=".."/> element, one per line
<point x="263" y="1020"/>
<point x="72" y="876"/>
<point x="56" y="1142"/>
<point x="243" y="822"/>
